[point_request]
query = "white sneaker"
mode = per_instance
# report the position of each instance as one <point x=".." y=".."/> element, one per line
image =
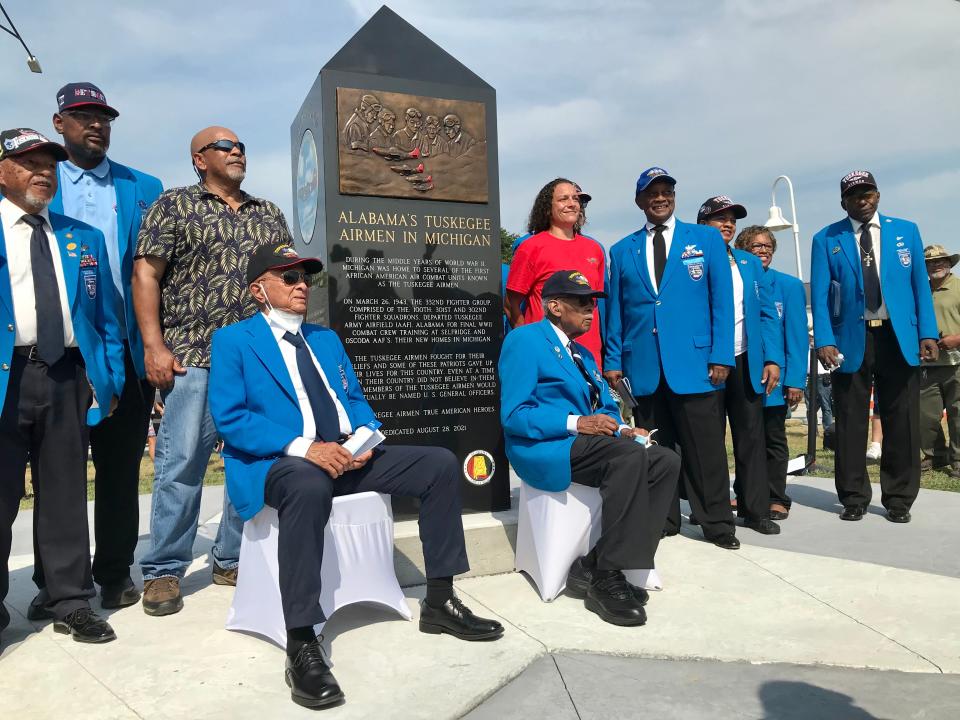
<point x="873" y="452"/>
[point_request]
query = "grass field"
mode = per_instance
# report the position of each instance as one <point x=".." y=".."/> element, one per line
<point x="796" y="437"/>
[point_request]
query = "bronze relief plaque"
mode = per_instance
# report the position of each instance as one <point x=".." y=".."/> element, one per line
<point x="411" y="146"/>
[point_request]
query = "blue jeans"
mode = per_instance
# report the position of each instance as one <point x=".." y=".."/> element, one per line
<point x="185" y="441"/>
<point x="824" y="400"/>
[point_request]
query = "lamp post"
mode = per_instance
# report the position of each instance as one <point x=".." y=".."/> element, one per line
<point x="777" y="221"/>
<point x="32" y="61"/>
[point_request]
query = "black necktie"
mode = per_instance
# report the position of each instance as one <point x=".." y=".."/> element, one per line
<point x="324" y="411"/>
<point x="46" y="294"/>
<point x="868" y="261"/>
<point x="659" y="253"/>
<point x="578" y="360"/>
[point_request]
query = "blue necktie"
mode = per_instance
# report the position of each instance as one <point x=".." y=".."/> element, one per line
<point x="46" y="291"/>
<point x="324" y="411"/>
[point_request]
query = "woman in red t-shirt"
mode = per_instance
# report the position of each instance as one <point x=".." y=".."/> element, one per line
<point x="555" y="244"/>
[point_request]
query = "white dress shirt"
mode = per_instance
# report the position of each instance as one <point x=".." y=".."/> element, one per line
<point x="739" y="328"/>
<point x="298" y="446"/>
<point x="670" y="223"/>
<point x="874" y="223"/>
<point x="17" y="236"/>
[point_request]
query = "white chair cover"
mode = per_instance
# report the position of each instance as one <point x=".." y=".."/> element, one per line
<point x="357" y="565"/>
<point x="554" y="529"/>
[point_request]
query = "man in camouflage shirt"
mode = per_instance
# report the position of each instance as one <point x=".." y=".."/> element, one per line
<point x="189" y="281"/>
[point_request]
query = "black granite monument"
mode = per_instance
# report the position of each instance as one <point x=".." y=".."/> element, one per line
<point x="395" y="185"/>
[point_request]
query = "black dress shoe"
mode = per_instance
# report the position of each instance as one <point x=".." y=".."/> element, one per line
<point x="580" y="577"/>
<point x="727" y="541"/>
<point x="764" y="526"/>
<point x="898" y="516"/>
<point x="309" y="678"/>
<point x="119" y="595"/>
<point x="37" y="610"/>
<point x="692" y="519"/>
<point x="85" y="626"/>
<point x="610" y="596"/>
<point x="853" y="512"/>
<point x="455" y="618"/>
<point x="779" y="515"/>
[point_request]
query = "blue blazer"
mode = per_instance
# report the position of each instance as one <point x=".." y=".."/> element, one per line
<point x="136" y="191"/>
<point x="836" y="290"/>
<point x="763" y="326"/>
<point x="686" y="326"/>
<point x="790" y="301"/>
<point x="254" y="405"/>
<point x="539" y="387"/>
<point x="95" y="324"/>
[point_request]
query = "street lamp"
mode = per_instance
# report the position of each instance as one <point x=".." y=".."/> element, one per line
<point x="32" y="61"/>
<point x="777" y="221"/>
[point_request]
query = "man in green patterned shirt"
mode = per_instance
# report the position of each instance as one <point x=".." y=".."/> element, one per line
<point x="188" y="281"/>
<point x="940" y="379"/>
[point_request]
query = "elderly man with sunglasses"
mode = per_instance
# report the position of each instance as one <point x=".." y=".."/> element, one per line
<point x="189" y="280"/>
<point x="285" y="397"/>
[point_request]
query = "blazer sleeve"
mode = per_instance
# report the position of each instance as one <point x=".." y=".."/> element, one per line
<point x="926" y="317"/>
<point x="107" y="323"/>
<point x="819" y="288"/>
<point x="251" y="433"/>
<point x="771" y="327"/>
<point x="613" y="338"/>
<point x="521" y="412"/>
<point x="721" y="302"/>
<point x="796" y="339"/>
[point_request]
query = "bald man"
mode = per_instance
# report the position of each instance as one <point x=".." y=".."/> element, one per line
<point x="188" y="281"/>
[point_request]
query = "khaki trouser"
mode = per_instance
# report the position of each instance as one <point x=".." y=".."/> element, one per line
<point x="939" y="391"/>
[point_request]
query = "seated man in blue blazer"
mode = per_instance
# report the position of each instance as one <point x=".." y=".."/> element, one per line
<point x="670" y="332"/>
<point x="61" y="369"/>
<point x="561" y="425"/>
<point x="284" y="396"/>
<point x="873" y="321"/>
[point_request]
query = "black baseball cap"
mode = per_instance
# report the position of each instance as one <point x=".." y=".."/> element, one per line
<point x="278" y="256"/>
<point x="568" y="282"/>
<point x="856" y="178"/>
<point x="74" y="95"/>
<point x="718" y="203"/>
<point x="18" y="141"/>
<point x="584" y="197"/>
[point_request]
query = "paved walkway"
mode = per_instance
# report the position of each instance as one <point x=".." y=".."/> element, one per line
<point x="828" y="620"/>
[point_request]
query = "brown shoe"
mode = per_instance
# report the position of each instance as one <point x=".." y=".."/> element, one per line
<point x="161" y="596"/>
<point x="222" y="576"/>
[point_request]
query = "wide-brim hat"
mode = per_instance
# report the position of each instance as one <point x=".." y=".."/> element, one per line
<point x="939" y="252"/>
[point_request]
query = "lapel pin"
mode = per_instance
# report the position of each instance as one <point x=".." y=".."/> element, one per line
<point x="836" y="250"/>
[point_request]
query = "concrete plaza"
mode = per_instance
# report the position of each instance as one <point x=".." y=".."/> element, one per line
<point x="829" y="620"/>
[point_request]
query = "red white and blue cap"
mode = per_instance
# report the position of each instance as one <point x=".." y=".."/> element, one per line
<point x="17" y="141"/>
<point x="651" y="174"/>
<point x="279" y="256"/>
<point x="719" y="203"/>
<point x="75" y="95"/>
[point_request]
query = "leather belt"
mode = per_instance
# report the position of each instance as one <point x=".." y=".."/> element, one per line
<point x="30" y="353"/>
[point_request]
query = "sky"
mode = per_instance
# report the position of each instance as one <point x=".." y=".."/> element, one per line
<point x="724" y="94"/>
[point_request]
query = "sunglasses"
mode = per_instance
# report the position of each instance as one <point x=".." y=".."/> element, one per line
<point x="294" y="277"/>
<point x="226" y="146"/>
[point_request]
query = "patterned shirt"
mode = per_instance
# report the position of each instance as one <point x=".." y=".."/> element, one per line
<point x="206" y="246"/>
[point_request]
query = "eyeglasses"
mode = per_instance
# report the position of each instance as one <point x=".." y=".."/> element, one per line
<point x="761" y="246"/>
<point x="226" y="146"/>
<point x="85" y="117"/>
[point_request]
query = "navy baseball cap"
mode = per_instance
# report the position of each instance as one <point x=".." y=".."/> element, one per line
<point x="855" y="179"/>
<point x="74" y="95"/>
<point x="279" y="256"/>
<point x="584" y="197"/>
<point x="18" y="141"/>
<point x="568" y="282"/>
<point x="718" y="203"/>
<point x="651" y="174"/>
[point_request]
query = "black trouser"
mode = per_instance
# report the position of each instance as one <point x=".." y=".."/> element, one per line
<point x="898" y="390"/>
<point x="636" y="485"/>
<point x="303" y="495"/>
<point x="44" y="422"/>
<point x="692" y="424"/>
<point x="117" y="447"/>
<point x="744" y="406"/>
<point x="775" y="436"/>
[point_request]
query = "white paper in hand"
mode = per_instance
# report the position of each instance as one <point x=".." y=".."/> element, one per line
<point x="363" y="439"/>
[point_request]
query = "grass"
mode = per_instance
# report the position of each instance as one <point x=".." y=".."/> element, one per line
<point x="796" y="439"/>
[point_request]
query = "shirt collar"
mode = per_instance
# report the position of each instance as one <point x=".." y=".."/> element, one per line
<point x="873" y="222"/>
<point x="11" y="214"/>
<point x="950" y="280"/>
<point x="75" y="172"/>
<point x="561" y="335"/>
<point x="668" y="223"/>
<point x="202" y="190"/>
